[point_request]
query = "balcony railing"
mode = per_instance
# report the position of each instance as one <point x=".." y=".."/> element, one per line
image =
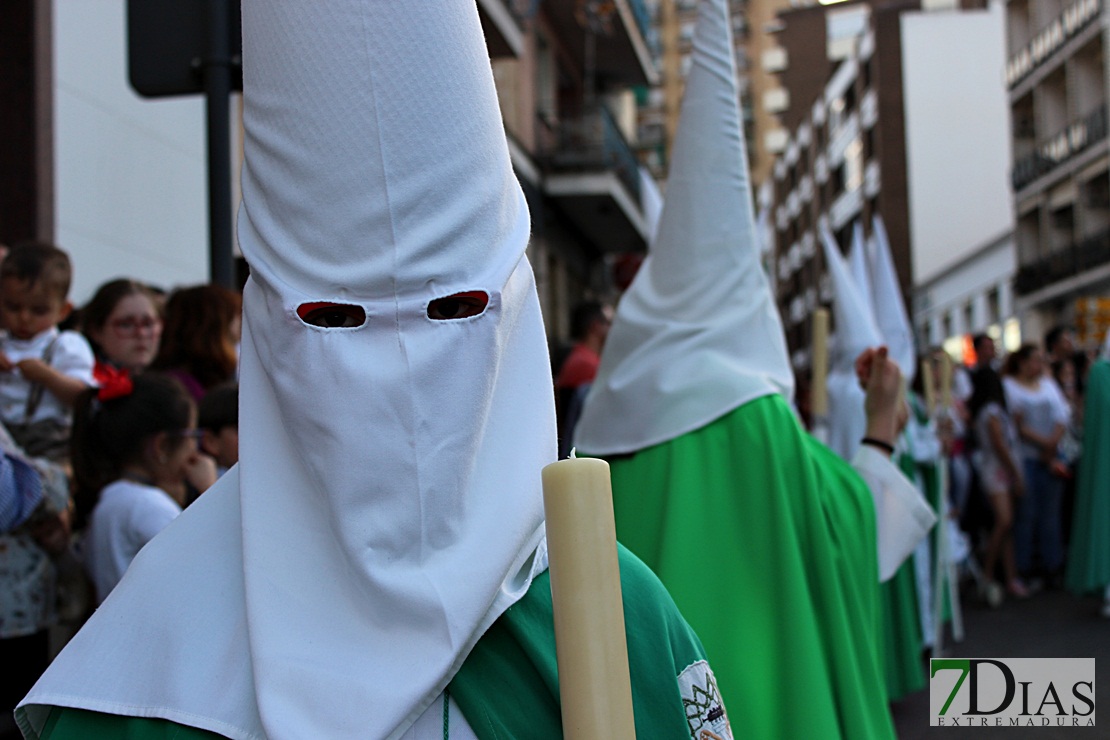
<point x="1066" y="144"/>
<point x="494" y="14"/>
<point x="591" y="142"/>
<point x="1072" y="260"/>
<point x="643" y="17"/>
<point x="1076" y="17"/>
<point x="612" y="37"/>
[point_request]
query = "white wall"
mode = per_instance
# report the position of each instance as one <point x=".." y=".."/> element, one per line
<point x="957" y="134"/>
<point x="129" y="172"/>
<point x="992" y="268"/>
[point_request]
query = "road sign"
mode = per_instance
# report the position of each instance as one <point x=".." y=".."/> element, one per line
<point x="168" y="46"/>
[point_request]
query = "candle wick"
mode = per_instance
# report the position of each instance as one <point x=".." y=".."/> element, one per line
<point x="573" y="453"/>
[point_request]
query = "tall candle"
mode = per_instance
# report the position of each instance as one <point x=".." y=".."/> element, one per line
<point x="590" y="641"/>
<point x="945" y="379"/>
<point x="819" y="389"/>
<point x="927" y="383"/>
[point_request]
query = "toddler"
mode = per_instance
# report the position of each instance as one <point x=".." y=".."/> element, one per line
<point x="42" y="369"/>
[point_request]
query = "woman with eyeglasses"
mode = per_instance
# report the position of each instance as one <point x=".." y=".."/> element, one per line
<point x="123" y="325"/>
<point x="134" y="445"/>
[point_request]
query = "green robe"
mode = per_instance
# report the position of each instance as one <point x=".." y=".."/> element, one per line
<point x="927" y="477"/>
<point x="508" y="687"/>
<point x="903" y="667"/>
<point x="1089" y="551"/>
<point x="902" y="643"/>
<point x="766" y="539"/>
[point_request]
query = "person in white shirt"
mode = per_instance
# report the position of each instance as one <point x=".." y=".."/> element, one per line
<point x="1041" y="415"/>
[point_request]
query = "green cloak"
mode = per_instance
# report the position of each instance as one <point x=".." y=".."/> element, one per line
<point x="509" y="685"/>
<point x="766" y="540"/>
<point x="902" y="643"/>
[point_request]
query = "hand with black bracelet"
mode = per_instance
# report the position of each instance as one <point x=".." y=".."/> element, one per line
<point x="881" y="380"/>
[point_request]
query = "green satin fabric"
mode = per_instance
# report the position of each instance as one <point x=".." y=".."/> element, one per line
<point x="766" y="540"/>
<point x="79" y="724"/>
<point x="903" y="667"/>
<point x="509" y="685"/>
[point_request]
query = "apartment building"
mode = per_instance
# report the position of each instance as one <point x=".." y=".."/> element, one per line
<point x="570" y="114"/>
<point x="1056" y="78"/>
<point x="895" y="110"/>
<point x="843" y="158"/>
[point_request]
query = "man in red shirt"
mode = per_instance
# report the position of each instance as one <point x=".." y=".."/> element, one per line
<point x="589" y="328"/>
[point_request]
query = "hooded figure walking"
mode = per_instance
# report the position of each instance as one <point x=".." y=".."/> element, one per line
<point x="375" y="565"/>
<point x="767" y="540"/>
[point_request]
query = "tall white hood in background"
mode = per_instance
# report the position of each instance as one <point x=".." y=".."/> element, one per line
<point x="855" y="331"/>
<point x="697" y="334"/>
<point x="859" y="265"/>
<point x="890" y="309"/>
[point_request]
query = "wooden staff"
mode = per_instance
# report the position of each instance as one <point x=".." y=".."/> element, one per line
<point x="590" y="642"/>
<point x="819" y="390"/>
<point x="927" y="383"/>
<point x="946" y="369"/>
<point x="944" y="570"/>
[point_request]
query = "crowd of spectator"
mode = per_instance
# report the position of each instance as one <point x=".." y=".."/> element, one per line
<point x="1018" y="426"/>
<point x="113" y="418"/>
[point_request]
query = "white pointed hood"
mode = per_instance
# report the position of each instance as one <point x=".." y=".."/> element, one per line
<point x="697" y="333"/>
<point x="389" y="478"/>
<point x="410" y="448"/>
<point x="859" y="266"/>
<point x="855" y="331"/>
<point x="890" y="309"/>
<point x="855" y="328"/>
<point x="407" y="451"/>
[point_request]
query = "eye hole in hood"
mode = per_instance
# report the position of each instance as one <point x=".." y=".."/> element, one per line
<point x="458" y="306"/>
<point x="332" y="315"/>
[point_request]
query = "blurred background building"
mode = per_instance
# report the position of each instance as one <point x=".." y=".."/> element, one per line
<point x="1056" y="81"/>
<point x="895" y="109"/>
<point x="566" y="91"/>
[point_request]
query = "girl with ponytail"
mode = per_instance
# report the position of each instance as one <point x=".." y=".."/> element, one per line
<point x="133" y="447"/>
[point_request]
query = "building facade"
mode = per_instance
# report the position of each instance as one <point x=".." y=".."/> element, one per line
<point x="1057" y="79"/>
<point x="570" y="115"/>
<point x="843" y="156"/>
<point x="894" y="109"/>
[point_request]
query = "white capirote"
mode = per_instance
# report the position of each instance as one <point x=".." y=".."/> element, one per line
<point x="387" y="505"/>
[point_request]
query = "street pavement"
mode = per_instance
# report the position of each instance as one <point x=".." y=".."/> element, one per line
<point x="1050" y="624"/>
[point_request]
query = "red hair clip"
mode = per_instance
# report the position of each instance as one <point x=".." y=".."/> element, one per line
<point x="114" y="384"/>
